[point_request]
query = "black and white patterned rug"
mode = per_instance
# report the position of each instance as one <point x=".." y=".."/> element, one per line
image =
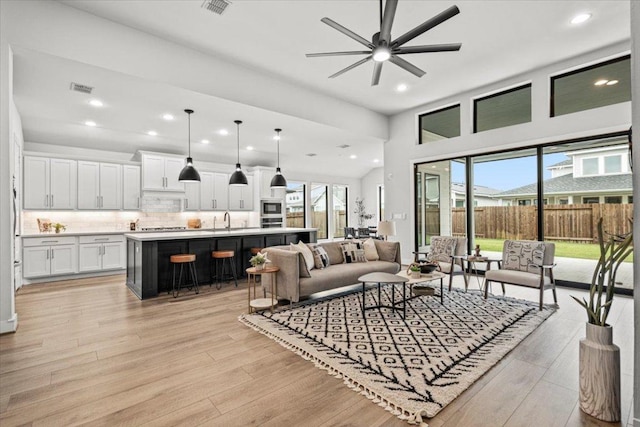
<point x="412" y="366"/>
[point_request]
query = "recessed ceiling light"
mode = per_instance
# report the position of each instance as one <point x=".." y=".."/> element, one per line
<point x="276" y="137"/>
<point x="223" y="132"/>
<point x="433" y="166"/>
<point x="402" y="87"/>
<point x="353" y="156"/>
<point x="249" y="147"/>
<point x="168" y="117"/>
<point x="90" y="123"/>
<point x="612" y="82"/>
<point x="601" y="82"/>
<point x="152" y="133"/>
<point x="205" y="141"/>
<point x="96" y="103"/>
<point x="579" y="19"/>
<point x="376" y="160"/>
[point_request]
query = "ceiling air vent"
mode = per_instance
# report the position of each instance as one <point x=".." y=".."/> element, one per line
<point x="216" y="6"/>
<point x="311" y="154"/>
<point x="81" y="88"/>
<point x="344" y="146"/>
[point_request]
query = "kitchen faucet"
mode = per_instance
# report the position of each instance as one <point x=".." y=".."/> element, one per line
<point x="227" y="218"/>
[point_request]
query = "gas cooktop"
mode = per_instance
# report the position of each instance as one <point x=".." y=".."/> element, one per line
<point x="162" y="228"/>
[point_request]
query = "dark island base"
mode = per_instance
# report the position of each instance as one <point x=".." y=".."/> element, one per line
<point x="149" y="271"/>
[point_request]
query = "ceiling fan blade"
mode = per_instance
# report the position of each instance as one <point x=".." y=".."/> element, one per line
<point x="350" y="67"/>
<point x="387" y="20"/>
<point x="428" y="48"/>
<point x="347" y="32"/>
<point x="353" y="52"/>
<point x="407" y="66"/>
<point x="427" y="25"/>
<point x="377" y="69"/>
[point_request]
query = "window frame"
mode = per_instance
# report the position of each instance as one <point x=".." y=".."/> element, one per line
<point x="440" y="110"/>
<point x="474" y="105"/>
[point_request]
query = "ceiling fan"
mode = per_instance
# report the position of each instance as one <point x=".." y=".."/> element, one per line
<point x="383" y="48"/>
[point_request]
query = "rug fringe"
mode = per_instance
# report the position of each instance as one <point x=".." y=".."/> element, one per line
<point x="404" y="415"/>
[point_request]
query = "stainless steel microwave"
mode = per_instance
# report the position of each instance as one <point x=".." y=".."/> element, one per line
<point x="270" y="207"/>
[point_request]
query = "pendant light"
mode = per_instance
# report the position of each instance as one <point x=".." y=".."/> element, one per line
<point x="189" y="173"/>
<point x="278" y="181"/>
<point x="238" y="177"/>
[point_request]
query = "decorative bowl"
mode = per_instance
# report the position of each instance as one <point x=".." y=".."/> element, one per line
<point x="428" y="268"/>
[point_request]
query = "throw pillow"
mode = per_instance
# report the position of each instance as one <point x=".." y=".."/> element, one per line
<point x="519" y="255"/>
<point x="370" y="251"/>
<point x="306" y="253"/>
<point x="320" y="257"/>
<point x="353" y="252"/>
<point x="441" y="249"/>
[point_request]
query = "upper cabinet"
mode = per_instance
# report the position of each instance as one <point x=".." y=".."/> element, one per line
<point x="241" y="196"/>
<point x="214" y="191"/>
<point x="192" y="196"/>
<point x="99" y="185"/>
<point x="131" y="187"/>
<point x="160" y="173"/>
<point x="49" y="183"/>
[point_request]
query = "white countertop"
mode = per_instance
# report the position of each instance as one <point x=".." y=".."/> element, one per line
<point x="72" y="233"/>
<point x="203" y="234"/>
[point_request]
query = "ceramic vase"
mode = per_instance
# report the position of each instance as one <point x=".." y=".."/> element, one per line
<point x="415" y="274"/>
<point x="600" y="374"/>
<point x="259" y="267"/>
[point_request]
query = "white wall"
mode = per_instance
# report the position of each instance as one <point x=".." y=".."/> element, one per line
<point x="635" y="96"/>
<point x="370" y="183"/>
<point x="402" y="151"/>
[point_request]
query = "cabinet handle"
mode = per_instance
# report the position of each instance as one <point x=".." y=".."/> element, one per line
<point x="52" y="200"/>
<point x="186" y="203"/>
<point x="48" y="241"/>
<point x="52" y="253"/>
<point x="97" y="239"/>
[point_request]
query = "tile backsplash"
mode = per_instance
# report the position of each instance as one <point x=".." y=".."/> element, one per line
<point x="87" y="221"/>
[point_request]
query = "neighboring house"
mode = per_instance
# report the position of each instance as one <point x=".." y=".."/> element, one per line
<point x="599" y="175"/>
<point x="482" y="196"/>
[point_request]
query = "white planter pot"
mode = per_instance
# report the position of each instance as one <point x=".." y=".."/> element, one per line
<point x="600" y="374"/>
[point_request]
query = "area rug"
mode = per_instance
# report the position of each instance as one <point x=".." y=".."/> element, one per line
<point x="413" y="366"/>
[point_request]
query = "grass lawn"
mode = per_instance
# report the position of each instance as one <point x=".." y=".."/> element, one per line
<point x="563" y="249"/>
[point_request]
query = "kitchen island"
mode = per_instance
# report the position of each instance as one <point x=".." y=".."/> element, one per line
<point x="149" y="270"/>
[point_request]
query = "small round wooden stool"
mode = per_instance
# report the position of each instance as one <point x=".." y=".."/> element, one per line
<point x="262" y="303"/>
<point x="182" y="259"/>
<point x="220" y="259"/>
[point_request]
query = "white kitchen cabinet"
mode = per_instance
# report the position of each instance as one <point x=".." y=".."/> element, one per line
<point x="192" y="196"/>
<point x="241" y="196"/>
<point x="266" y="192"/>
<point x="101" y="252"/>
<point x="99" y="185"/>
<point x="131" y="187"/>
<point x="160" y="173"/>
<point x="49" y="183"/>
<point x="49" y="256"/>
<point x="214" y="191"/>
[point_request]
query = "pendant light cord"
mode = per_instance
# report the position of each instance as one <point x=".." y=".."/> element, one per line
<point x="189" y="133"/>
<point x="278" y="145"/>
<point x="238" y="123"/>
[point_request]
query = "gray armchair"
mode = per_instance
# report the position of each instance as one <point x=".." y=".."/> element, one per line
<point x="525" y="263"/>
<point x="449" y="253"/>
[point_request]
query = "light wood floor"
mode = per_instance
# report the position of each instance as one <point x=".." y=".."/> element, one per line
<point x="89" y="352"/>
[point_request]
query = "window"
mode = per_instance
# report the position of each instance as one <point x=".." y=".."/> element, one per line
<point x="319" y="210"/>
<point x="577" y="90"/>
<point x="630" y="199"/>
<point x="525" y="202"/>
<point x="440" y="124"/>
<point x="590" y="166"/>
<point x="563" y="201"/>
<point x="590" y="200"/>
<point x="296" y="206"/>
<point x="507" y="108"/>
<point x="612" y="164"/>
<point x="339" y="205"/>
<point x="613" y="199"/>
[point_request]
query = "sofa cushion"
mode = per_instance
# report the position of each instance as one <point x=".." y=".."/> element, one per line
<point x="520" y="254"/>
<point x="320" y="257"/>
<point x="387" y="251"/>
<point x="344" y="274"/>
<point x="306" y="253"/>
<point x="370" y="251"/>
<point x="516" y="277"/>
<point x="334" y="250"/>
<point x="352" y="252"/>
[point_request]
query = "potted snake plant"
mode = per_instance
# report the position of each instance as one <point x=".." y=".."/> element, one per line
<point x="599" y="358"/>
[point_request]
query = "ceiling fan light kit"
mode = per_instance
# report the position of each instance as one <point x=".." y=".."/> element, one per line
<point x="189" y="172"/>
<point x="238" y="177"/>
<point x="382" y="48"/>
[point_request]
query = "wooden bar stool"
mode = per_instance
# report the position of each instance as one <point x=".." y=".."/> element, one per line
<point x="182" y="259"/>
<point x="220" y="259"/>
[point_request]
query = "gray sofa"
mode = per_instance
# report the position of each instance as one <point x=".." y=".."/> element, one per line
<point x="295" y="281"/>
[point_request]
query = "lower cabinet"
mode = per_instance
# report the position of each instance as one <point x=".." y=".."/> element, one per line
<point x="50" y="256"/>
<point x="99" y="253"/>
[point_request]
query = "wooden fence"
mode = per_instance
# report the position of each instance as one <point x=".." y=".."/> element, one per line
<point x="575" y="223"/>
<point x="319" y="221"/>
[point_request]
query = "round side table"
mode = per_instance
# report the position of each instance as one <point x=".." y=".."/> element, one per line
<point x="256" y="304"/>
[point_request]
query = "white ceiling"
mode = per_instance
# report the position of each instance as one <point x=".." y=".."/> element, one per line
<point x="499" y="39"/>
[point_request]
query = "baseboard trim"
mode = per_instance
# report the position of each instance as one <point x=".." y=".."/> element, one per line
<point x="73" y="276"/>
<point x="9" y="326"/>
